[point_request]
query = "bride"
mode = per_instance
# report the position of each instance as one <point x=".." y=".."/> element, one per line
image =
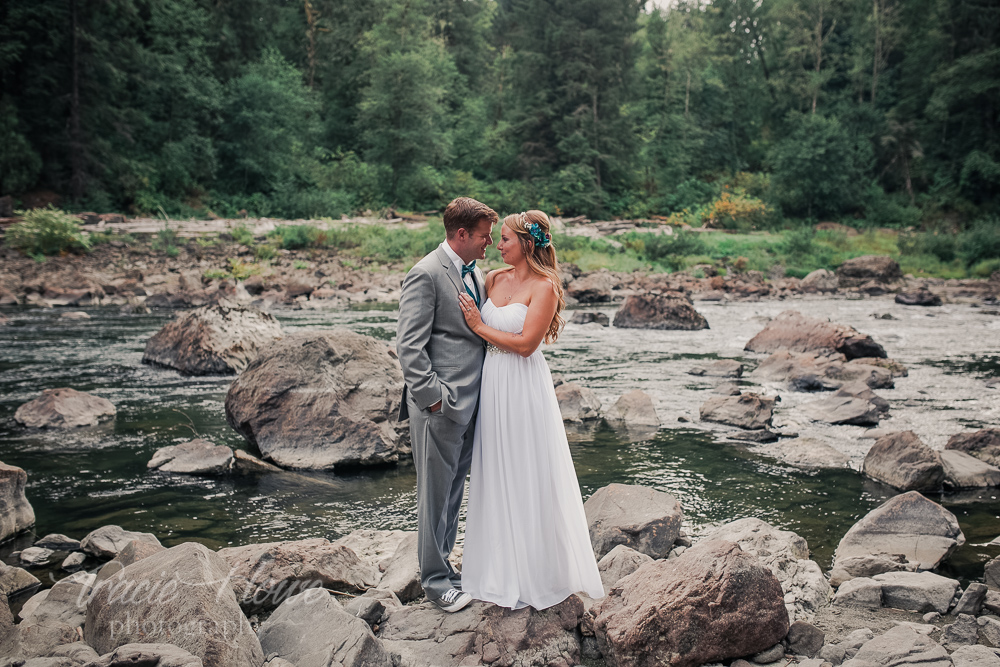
<point x="526" y="536"/>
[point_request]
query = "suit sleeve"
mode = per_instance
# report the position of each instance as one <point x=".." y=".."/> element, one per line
<point x="416" y="322"/>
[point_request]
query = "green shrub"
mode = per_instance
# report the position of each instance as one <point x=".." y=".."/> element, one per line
<point x="985" y="268"/>
<point x="981" y="242"/>
<point x="243" y="235"/>
<point x="47" y="231"/>
<point x="942" y="246"/>
<point x="293" y="237"/>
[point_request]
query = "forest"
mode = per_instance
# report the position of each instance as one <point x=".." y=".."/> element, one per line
<point x="742" y="114"/>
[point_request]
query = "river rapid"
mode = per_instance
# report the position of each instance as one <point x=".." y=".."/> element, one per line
<point x="83" y="479"/>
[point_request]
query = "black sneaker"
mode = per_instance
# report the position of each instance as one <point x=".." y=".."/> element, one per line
<point x="453" y="600"/>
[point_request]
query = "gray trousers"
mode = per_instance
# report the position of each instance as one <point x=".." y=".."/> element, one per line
<point x="442" y="455"/>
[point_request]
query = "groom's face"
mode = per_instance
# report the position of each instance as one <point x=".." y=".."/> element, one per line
<point x="474" y="244"/>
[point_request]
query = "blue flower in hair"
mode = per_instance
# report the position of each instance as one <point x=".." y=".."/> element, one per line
<point x="542" y="240"/>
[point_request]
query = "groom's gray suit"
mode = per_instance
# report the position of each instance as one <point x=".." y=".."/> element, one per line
<point x="442" y="360"/>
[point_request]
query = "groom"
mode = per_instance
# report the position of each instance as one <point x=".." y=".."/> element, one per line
<point x="442" y="362"/>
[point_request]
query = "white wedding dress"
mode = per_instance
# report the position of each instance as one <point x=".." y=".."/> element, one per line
<point x="526" y="536"/>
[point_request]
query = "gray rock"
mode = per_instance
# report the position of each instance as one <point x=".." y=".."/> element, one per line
<point x="10" y="637"/>
<point x="864" y="392"/>
<point x="402" y="573"/>
<point x="345" y="639"/>
<point x="635" y="408"/>
<point x="992" y="602"/>
<point x="917" y="591"/>
<point x="869" y="565"/>
<point x="369" y="610"/>
<point x="859" y="592"/>
<point x="963" y="632"/>
<point x="483" y="634"/>
<point x="320" y="400"/>
<point x="804" y="453"/>
<point x="644" y="519"/>
<point x="795" y="332"/>
<point x="773" y="654"/>
<point x="787" y="556"/>
<point x="727" y="389"/>
<point x="991" y="573"/>
<point x="590" y="317"/>
<point x="35" y="556"/>
<point x="75" y="315"/>
<point x="671" y="311"/>
<point x="595" y="287"/>
<point x="975" y="656"/>
<point x="212" y="340"/>
<point x="17" y="514"/>
<point x="843" y="410"/>
<point x="108" y="541"/>
<point x="619" y="563"/>
<point x="989" y="629"/>
<point x="376" y="547"/>
<point x="899" y="646"/>
<point x="56" y="619"/>
<point x="195" y="457"/>
<point x="920" y="297"/>
<point x="962" y="471"/>
<point x="903" y="462"/>
<point x="577" y="403"/>
<point x="805" y="639"/>
<point x="983" y="444"/>
<point x="74" y="654"/>
<point x="148" y="655"/>
<point x="31" y="604"/>
<point x="972" y="599"/>
<point x="832" y="653"/>
<point x="194" y="608"/>
<point x="248" y="464"/>
<point x="820" y="280"/>
<point x="64" y="408"/>
<point x="14" y="580"/>
<point x="931" y="617"/>
<point x="750" y="411"/>
<point x="881" y="269"/>
<point x="723" y="368"/>
<point x="58" y="542"/>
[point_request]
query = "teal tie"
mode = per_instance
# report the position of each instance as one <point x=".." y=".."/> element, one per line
<point x="466" y="270"/>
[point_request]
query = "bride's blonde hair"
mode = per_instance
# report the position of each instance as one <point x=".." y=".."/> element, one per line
<point x="541" y="260"/>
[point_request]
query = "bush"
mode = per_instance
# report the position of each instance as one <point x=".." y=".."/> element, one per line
<point x="942" y="246"/>
<point x="47" y="231"/>
<point x="293" y="237"/>
<point x="981" y="242"/>
<point x="735" y="210"/>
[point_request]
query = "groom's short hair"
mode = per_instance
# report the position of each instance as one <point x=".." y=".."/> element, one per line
<point x="466" y="213"/>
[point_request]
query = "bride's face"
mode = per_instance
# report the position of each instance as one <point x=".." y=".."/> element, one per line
<point x="510" y="246"/>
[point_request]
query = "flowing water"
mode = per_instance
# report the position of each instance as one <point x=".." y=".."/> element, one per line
<point x="80" y="480"/>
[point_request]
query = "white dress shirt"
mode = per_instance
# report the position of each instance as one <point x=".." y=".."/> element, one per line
<point x="467" y="279"/>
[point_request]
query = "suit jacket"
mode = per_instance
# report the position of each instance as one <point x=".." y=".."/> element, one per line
<point x="442" y="358"/>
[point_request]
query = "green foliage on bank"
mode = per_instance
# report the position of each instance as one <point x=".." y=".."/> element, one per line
<point x="46" y="231"/>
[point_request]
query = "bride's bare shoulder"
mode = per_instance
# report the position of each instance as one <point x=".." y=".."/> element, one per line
<point x="496" y="273"/>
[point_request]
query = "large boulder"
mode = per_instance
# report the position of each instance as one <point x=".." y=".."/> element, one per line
<point x="320" y="400"/>
<point x="57" y="618"/>
<point x="820" y="280"/>
<point x="644" y="519"/>
<point x="750" y="411"/>
<point x="860" y="270"/>
<point x="794" y="331"/>
<point x="108" y="541"/>
<point x="659" y="311"/>
<point x="594" y="287"/>
<point x="804" y="453"/>
<point x="917" y="591"/>
<point x="483" y="633"/>
<point x="179" y="596"/>
<point x="64" y="408"/>
<point x="903" y="462"/>
<point x="16" y="513"/>
<point x="722" y="368"/>
<point x="843" y="409"/>
<point x="264" y="575"/>
<point x="787" y="556"/>
<point x="919" y="297"/>
<point x="402" y="572"/>
<point x="962" y="471"/>
<point x="909" y="524"/>
<point x="634" y="408"/>
<point x="15" y="580"/>
<point x="195" y="457"/>
<point x="712" y="603"/>
<point x="984" y="444"/>
<point x="577" y="403"/>
<point x="810" y="372"/>
<point x="344" y="640"/>
<point x="902" y="646"/>
<point x="213" y="340"/>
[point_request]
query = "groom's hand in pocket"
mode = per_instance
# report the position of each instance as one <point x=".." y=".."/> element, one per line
<point x="435" y="407"/>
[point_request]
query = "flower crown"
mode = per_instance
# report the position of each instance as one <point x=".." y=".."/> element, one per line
<point x="541" y="239"/>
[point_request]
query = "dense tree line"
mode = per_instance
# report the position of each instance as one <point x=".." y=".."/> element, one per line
<point x="740" y="111"/>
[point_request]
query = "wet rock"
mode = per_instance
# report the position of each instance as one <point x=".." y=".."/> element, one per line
<point x="972" y="599"/>
<point x="761" y="436"/>
<point x="641" y="518"/>
<point x="900" y="646"/>
<point x="804" y="639"/>
<point x="843" y="410"/>
<point x="795" y="332"/>
<point x="786" y="554"/>
<point x="619" y="563"/>
<point x="195" y="457"/>
<point x="213" y="340"/>
<point x="897" y="369"/>
<point x="810" y="372"/>
<point x="108" y="541"/>
<point x="402" y="572"/>
<point x="723" y="368"/>
<point x="634" y="408"/>
<point x="35" y="556"/>
<point x="861" y="390"/>
<point x="484" y="634"/>
<point x="247" y="464"/>
<point x="860" y="270"/>
<point x="975" y="656"/>
<point x="264" y="575"/>
<point x="710" y="604"/>
<point x="345" y="640"/>
<point x="590" y="317"/>
<point x="820" y="280"/>
<point x="963" y="632"/>
<point x="15" y="580"/>
<point x="671" y="311"/>
<point x="962" y="471"/>
<point x="148" y="655"/>
<point x="320" y="400"/>
<point x="920" y="297"/>
<point x="594" y="287"/>
<point x="577" y="403"/>
<point x="869" y="565"/>
<point x="16" y="513"/>
<point x="903" y="462"/>
<point x="984" y="444"/>
<point x="202" y="616"/>
<point x="74" y="561"/>
<point x="75" y="315"/>
<point x="64" y="408"/>
<point x="917" y="591"/>
<point x="750" y="411"/>
<point x="859" y="592"/>
<point x="58" y="542"/>
<point x="804" y="453"/>
<point x="908" y="524"/>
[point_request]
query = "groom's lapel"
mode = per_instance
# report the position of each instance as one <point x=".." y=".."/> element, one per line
<point x="482" y="287"/>
<point x="450" y="269"/>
